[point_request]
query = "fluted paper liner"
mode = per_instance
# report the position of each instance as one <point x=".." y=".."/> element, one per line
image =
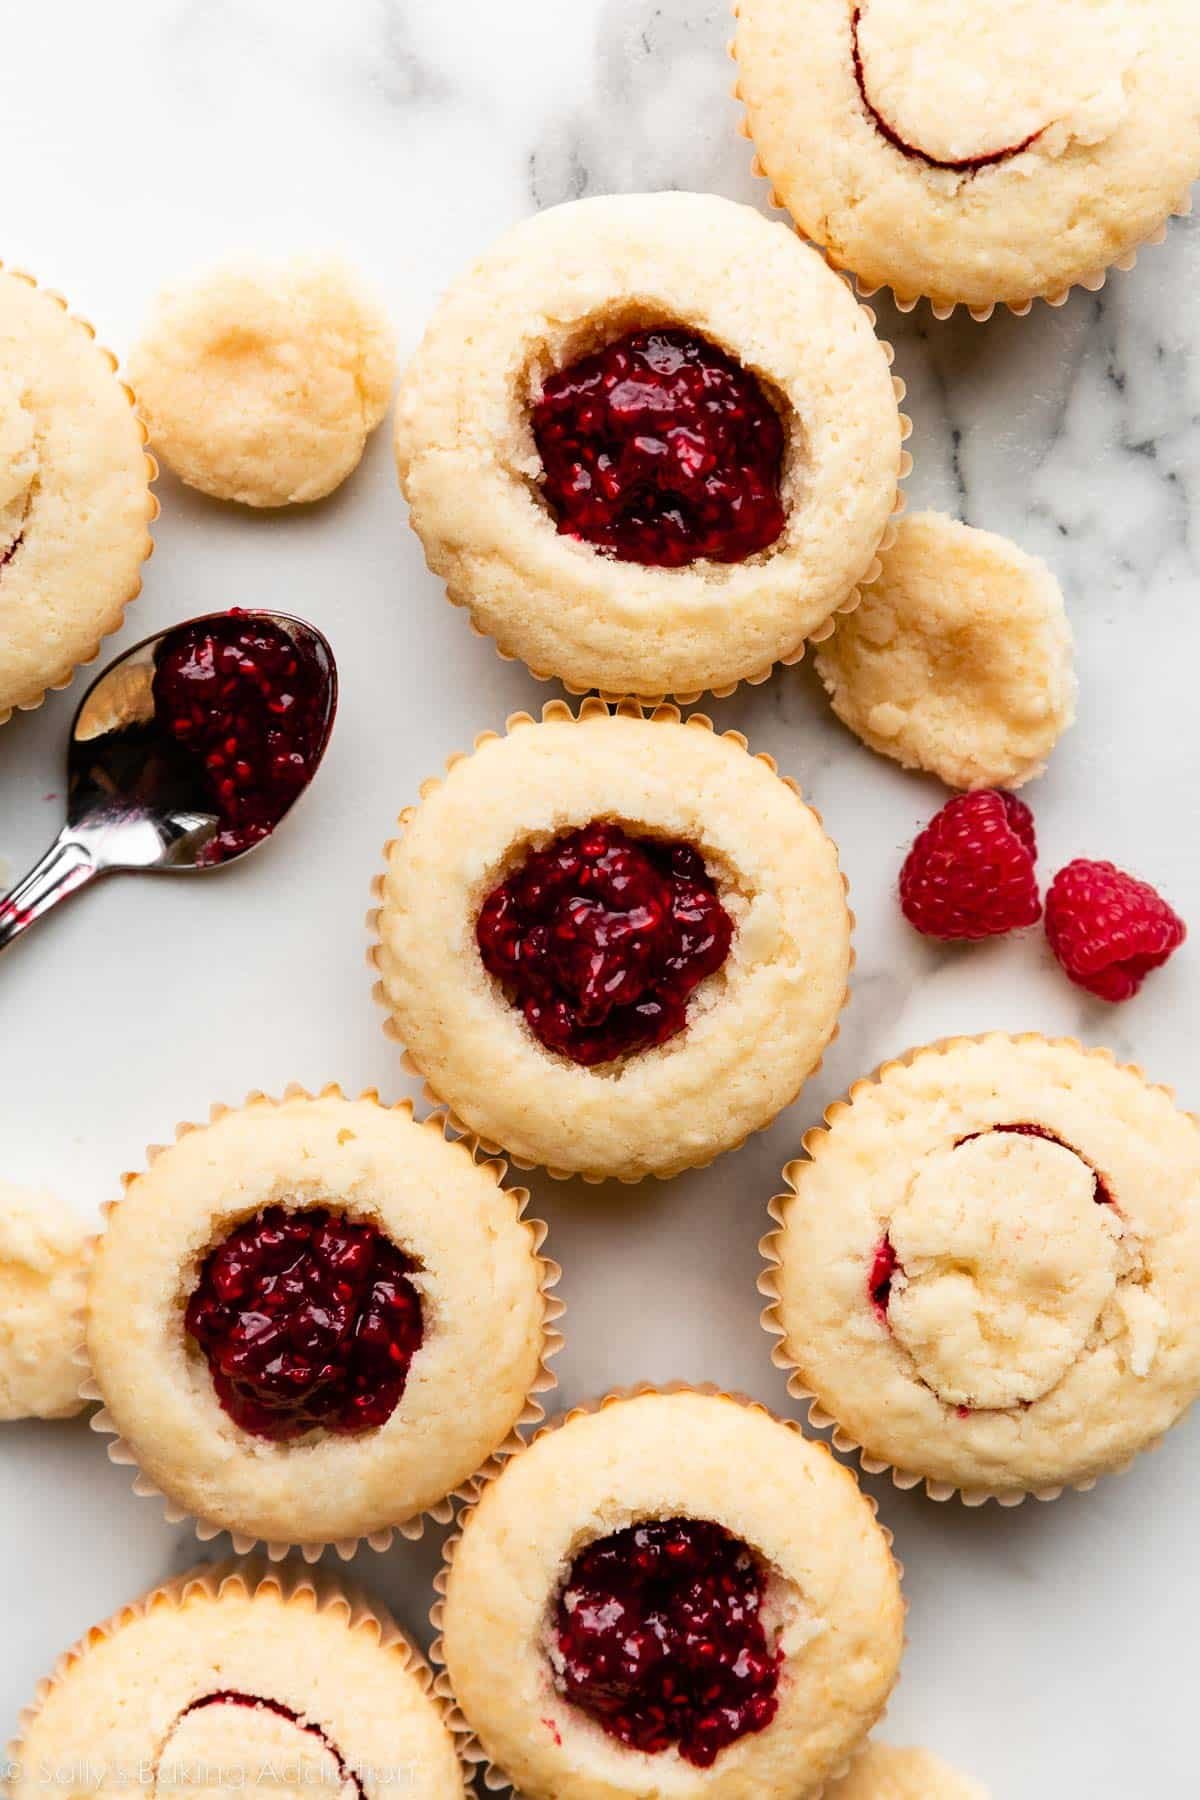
<point x="943" y="310"/>
<point x="819" y="1416"/>
<point x="314" y="1590"/>
<point x="559" y="712"/>
<point x="442" y="1512"/>
<point x="494" y="1779"/>
<point x="152" y="505"/>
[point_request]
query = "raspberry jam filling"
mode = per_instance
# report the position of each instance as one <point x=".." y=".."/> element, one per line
<point x="660" y="449"/>
<point x="660" y="1639"/>
<point x="967" y="165"/>
<point x="601" y="938"/>
<point x="883" y="1268"/>
<point x="307" y="1320"/>
<point x="256" y="1702"/>
<point x="251" y="706"/>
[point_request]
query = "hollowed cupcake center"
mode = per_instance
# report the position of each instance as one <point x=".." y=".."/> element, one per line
<point x="307" y="1320"/>
<point x="659" y="1637"/>
<point x="231" y="1742"/>
<point x="963" y="86"/>
<point x="601" y="938"/>
<point x="1000" y="1260"/>
<point x="661" y="449"/>
<point x="250" y="705"/>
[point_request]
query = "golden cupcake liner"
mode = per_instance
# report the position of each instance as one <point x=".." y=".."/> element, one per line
<point x="152" y="505"/>
<point x="494" y="1778"/>
<point x="312" y="1590"/>
<point x="819" y="1416"/>
<point x="442" y="1512"/>
<point x="1021" y="309"/>
<point x="942" y="309"/>
<point x="558" y="712"/>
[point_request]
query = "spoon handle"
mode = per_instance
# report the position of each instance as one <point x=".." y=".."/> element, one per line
<point x="67" y="865"/>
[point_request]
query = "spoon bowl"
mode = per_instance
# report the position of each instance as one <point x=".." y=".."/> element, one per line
<point x="187" y="753"/>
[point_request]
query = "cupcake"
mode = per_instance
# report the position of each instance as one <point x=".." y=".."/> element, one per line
<point x="43" y="1272"/>
<point x="673" y="1594"/>
<point x="75" y="500"/>
<point x="885" y="1773"/>
<point x="614" y="944"/>
<point x="974" y="151"/>
<point x="233" y="1679"/>
<point x="984" y="1272"/>
<point x="959" y="659"/>
<point x="651" y="443"/>
<point x="262" y="380"/>
<point x="313" y="1320"/>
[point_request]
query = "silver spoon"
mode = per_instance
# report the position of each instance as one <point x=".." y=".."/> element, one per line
<point x="145" y="768"/>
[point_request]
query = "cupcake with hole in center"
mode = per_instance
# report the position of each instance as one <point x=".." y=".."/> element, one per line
<point x="674" y="1593"/>
<point x="651" y="443"/>
<point x="614" y="944"/>
<point x="313" y="1320"/>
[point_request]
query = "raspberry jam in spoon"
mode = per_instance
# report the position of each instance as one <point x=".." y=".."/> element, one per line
<point x="186" y="753"/>
<point x="246" y="701"/>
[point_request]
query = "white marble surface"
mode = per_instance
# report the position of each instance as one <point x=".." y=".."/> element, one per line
<point x="1053" y="1649"/>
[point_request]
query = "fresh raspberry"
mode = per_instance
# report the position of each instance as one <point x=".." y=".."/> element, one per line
<point x="971" y="873"/>
<point x="1108" y="930"/>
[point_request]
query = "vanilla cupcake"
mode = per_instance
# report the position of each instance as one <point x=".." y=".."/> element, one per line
<point x="613" y="944"/>
<point x="651" y="443"/>
<point x="313" y="1320"/>
<point x="261" y="381"/>
<point x="673" y="1520"/>
<point x="959" y="659"/>
<point x="985" y="1269"/>
<point x="974" y="151"/>
<point x="232" y="1680"/>
<point x="75" y="500"/>
<point x="44" y="1253"/>
<point x="883" y="1772"/>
